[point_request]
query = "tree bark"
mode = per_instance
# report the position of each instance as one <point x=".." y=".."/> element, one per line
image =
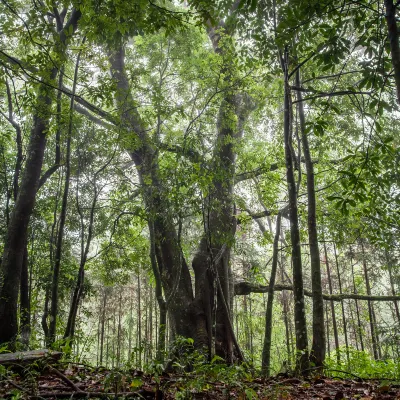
<point x="393" y="34"/>
<point x="360" y="329"/>
<point x="159" y="296"/>
<point x="298" y="290"/>
<point x="288" y="330"/>
<point x="317" y="355"/>
<point x="139" y="323"/>
<point x="25" y="301"/>
<point x="334" y="323"/>
<point x="372" y="321"/>
<point x="346" y="340"/>
<point x="54" y="231"/>
<point x="103" y="322"/>
<point x="266" y="353"/>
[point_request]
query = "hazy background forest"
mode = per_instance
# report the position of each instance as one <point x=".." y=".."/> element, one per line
<point x="212" y="175"/>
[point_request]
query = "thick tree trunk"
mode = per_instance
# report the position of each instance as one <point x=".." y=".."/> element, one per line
<point x="317" y="355"/>
<point x="266" y="354"/>
<point x="298" y="289"/>
<point x="220" y="227"/>
<point x="170" y="261"/>
<point x="16" y="237"/>
<point x="24" y="288"/>
<point x="393" y="34"/>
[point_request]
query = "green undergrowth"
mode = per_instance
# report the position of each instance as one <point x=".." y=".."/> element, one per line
<point x="361" y="364"/>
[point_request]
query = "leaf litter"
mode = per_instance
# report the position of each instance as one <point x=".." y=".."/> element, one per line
<point x="76" y="381"/>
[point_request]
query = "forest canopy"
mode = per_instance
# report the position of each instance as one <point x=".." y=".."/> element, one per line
<point x="216" y="175"/>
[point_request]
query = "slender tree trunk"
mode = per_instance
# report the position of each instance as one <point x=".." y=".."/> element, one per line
<point x="393" y="34"/>
<point x="317" y="355"/>
<point x="63" y="215"/>
<point x="298" y="289"/>
<point x="372" y="322"/>
<point x="54" y="231"/>
<point x="119" y="331"/>
<point x="392" y="287"/>
<point x="108" y="341"/>
<point x="266" y="353"/>
<point x="25" y="308"/>
<point x="246" y="325"/>
<point x="130" y="326"/>
<point x="346" y="340"/>
<point x="151" y="324"/>
<point x="159" y="295"/>
<point x="251" y="330"/>
<point x="355" y="327"/>
<point x="285" y="306"/>
<point x="103" y="323"/>
<point x="53" y="235"/>
<point x="334" y="323"/>
<point x="360" y="326"/>
<point x="113" y="342"/>
<point x="58" y="253"/>
<point x="139" y="322"/>
<point x="328" y="340"/>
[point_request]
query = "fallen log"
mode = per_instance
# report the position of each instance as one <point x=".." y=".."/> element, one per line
<point x="28" y="357"/>
<point x="245" y="288"/>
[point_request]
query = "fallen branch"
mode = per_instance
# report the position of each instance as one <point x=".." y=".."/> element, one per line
<point x="65" y="379"/>
<point x="245" y="288"/>
<point x="146" y="394"/>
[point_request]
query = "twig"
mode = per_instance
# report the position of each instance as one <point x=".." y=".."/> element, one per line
<point x="102" y="395"/>
<point x="12" y="383"/>
<point x="65" y="379"/>
<point x="344" y="372"/>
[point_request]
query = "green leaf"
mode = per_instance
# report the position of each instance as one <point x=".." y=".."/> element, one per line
<point x="136" y="383"/>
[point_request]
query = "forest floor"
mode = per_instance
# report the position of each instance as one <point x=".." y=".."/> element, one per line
<point x="69" y="381"/>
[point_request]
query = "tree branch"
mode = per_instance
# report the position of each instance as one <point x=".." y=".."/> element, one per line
<point x="244" y="288"/>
